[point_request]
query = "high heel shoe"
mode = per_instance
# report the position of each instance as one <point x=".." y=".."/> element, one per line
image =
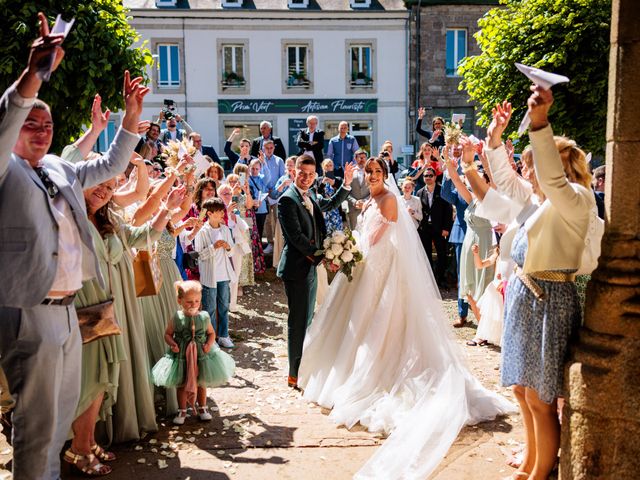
<point x="88" y="465"/>
<point x="102" y="454"/>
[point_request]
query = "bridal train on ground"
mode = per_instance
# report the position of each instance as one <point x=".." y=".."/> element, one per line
<point x="380" y="352"/>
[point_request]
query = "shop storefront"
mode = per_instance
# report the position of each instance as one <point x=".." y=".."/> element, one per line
<point x="288" y="116"/>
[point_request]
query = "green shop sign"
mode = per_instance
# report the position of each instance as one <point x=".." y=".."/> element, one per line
<point x="332" y="105"/>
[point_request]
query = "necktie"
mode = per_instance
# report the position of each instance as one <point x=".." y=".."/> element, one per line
<point x="307" y="202"/>
<point x="52" y="188"/>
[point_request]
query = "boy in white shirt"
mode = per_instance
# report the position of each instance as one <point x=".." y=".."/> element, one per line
<point x="214" y="244"/>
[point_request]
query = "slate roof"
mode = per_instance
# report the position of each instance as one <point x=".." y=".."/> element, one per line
<point x="270" y="5"/>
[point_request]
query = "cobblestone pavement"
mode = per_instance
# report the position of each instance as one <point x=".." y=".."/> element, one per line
<point x="263" y="430"/>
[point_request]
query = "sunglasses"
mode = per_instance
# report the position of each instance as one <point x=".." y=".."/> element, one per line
<point x="429" y="176"/>
<point x="52" y="188"/>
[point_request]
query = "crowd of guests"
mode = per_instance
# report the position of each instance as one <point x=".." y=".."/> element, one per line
<point x="210" y="233"/>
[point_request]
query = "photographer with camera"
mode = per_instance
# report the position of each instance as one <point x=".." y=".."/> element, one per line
<point x="169" y="115"/>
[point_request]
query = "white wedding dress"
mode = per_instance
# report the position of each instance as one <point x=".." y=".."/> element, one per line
<point x="380" y="352"/>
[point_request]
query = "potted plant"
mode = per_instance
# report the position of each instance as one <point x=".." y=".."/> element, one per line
<point x="361" y="78"/>
<point x="232" y="78"/>
<point x="298" y="78"/>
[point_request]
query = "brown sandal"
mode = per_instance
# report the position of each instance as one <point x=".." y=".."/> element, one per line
<point x="88" y="465"/>
<point x="102" y="454"/>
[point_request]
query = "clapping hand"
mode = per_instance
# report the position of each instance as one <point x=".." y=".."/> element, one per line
<point x="222" y="244"/>
<point x="133" y="93"/>
<point x="501" y="116"/>
<point x="539" y="104"/>
<point x="359" y="204"/>
<point x="175" y="197"/>
<point x="349" y="170"/>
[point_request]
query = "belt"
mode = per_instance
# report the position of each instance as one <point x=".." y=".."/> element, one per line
<point x="64" y="301"/>
<point x="529" y="279"/>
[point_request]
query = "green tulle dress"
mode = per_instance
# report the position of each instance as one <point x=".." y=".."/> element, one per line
<point x="158" y="310"/>
<point x="215" y="368"/>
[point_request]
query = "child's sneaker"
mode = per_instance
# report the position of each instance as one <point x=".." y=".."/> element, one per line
<point x="180" y="418"/>
<point x="225" y="342"/>
<point x="203" y="413"/>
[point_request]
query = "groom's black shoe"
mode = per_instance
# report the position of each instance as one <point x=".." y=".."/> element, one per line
<point x="292" y="382"/>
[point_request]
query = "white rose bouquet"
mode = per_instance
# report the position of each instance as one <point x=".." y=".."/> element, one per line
<point x="341" y="253"/>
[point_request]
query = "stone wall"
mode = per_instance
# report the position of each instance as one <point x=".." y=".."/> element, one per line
<point x="436" y="90"/>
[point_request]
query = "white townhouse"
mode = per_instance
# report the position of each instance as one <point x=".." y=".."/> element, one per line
<point x="234" y="63"/>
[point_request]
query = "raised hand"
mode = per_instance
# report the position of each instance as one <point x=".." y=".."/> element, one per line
<point x="143" y="127"/>
<point x="468" y="150"/>
<point x="133" y="93"/>
<point x="349" y="169"/>
<point x="137" y="160"/>
<point x="41" y="50"/>
<point x="501" y="116"/>
<point x="539" y="104"/>
<point x="99" y="119"/>
<point x="421" y="112"/>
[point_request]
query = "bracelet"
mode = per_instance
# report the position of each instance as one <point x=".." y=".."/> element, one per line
<point x="469" y="166"/>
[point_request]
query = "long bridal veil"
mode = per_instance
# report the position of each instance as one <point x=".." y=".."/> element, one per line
<point x="444" y="395"/>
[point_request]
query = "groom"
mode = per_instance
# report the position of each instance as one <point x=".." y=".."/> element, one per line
<point x="304" y="230"/>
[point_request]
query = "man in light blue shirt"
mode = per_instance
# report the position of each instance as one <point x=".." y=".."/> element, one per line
<point x="275" y="167"/>
<point x="341" y="148"/>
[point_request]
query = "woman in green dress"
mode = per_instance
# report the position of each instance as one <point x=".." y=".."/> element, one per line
<point x="115" y="370"/>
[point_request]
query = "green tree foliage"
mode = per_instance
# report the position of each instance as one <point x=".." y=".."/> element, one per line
<point x="98" y="51"/>
<point x="569" y="37"/>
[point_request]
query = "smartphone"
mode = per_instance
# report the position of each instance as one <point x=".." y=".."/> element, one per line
<point x="203" y="215"/>
<point x="243" y="178"/>
<point x="331" y="174"/>
<point x="235" y="199"/>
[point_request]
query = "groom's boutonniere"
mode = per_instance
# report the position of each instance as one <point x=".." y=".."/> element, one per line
<point x="341" y="253"/>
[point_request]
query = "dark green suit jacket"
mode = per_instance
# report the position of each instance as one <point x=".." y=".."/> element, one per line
<point x="303" y="233"/>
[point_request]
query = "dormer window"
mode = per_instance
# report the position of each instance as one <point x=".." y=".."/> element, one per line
<point x="232" y="3"/>
<point x="360" y="3"/>
<point x="298" y="3"/>
<point x="165" y="3"/>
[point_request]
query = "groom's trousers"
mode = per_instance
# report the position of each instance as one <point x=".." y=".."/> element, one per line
<point x="301" y="297"/>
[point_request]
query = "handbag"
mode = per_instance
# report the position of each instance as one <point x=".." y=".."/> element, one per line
<point x="190" y="260"/>
<point x="99" y="320"/>
<point x="146" y="271"/>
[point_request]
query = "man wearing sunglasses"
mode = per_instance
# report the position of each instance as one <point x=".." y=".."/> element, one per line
<point x="46" y="252"/>
<point x="435" y="225"/>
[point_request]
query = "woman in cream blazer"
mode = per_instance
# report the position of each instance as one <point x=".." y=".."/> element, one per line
<point x="542" y="310"/>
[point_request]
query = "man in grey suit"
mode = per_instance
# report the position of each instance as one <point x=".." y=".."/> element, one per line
<point x="359" y="189"/>
<point x="45" y="253"/>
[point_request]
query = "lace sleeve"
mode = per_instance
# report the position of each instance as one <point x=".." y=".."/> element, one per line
<point x="379" y="225"/>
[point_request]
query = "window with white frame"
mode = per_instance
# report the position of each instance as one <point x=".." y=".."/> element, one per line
<point x="233" y="65"/>
<point x="232" y="3"/>
<point x="361" y="66"/>
<point x="297" y="66"/>
<point x="168" y="65"/>
<point x="456" y="50"/>
<point x="165" y="3"/>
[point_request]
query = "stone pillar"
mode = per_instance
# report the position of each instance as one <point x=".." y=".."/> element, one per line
<point x="601" y="418"/>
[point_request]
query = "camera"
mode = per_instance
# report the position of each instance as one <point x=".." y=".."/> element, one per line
<point x="384" y="154"/>
<point x="169" y="109"/>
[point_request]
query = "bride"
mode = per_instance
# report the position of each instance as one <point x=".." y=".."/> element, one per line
<point x="379" y="351"/>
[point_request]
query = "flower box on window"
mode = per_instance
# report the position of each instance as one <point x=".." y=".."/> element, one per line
<point x="232" y="79"/>
<point x="298" y="79"/>
<point x="361" y="80"/>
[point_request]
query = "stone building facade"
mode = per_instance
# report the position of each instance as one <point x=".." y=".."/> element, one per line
<point x="440" y="33"/>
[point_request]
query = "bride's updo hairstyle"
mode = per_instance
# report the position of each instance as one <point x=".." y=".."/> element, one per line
<point x="380" y="162"/>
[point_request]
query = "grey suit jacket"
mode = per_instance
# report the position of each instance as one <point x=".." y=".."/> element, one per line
<point x="359" y="191"/>
<point x="28" y="229"/>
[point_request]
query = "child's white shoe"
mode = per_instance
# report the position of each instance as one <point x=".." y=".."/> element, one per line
<point x="180" y="418"/>
<point x="225" y="342"/>
<point x="203" y="413"/>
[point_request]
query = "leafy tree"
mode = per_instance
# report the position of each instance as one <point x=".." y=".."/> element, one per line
<point x="98" y="51"/>
<point x="570" y="37"/>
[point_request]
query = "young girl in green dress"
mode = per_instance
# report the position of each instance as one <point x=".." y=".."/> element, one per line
<point x="192" y="367"/>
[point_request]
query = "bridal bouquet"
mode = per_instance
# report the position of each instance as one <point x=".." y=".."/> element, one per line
<point x="174" y="151"/>
<point x="341" y="253"/>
